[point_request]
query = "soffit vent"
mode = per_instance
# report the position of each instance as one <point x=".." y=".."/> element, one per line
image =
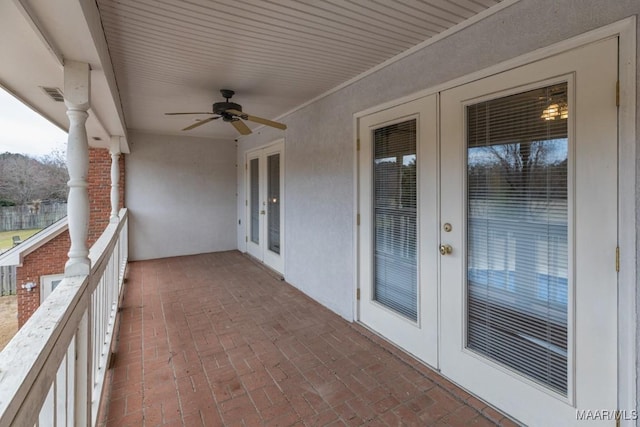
<point x="54" y="93"/>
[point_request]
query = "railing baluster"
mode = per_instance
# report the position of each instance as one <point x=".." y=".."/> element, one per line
<point x="71" y="374"/>
<point x="100" y="328"/>
<point x="82" y="380"/>
<point x="96" y="327"/>
<point x="47" y="413"/>
<point x="60" y="394"/>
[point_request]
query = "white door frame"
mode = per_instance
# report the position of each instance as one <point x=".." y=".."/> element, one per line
<point x="418" y="337"/>
<point x="270" y="259"/>
<point x="625" y="29"/>
<point x="46" y="284"/>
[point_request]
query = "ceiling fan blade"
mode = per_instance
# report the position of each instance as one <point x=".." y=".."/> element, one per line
<point x="200" y="123"/>
<point x="241" y="127"/>
<point x="178" y="114"/>
<point x="257" y="119"/>
<point x="266" y="122"/>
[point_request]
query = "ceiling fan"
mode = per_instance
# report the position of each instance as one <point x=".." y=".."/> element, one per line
<point x="231" y="113"/>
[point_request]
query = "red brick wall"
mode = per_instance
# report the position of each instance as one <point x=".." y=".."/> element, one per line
<point x="47" y="259"/>
<point x="99" y="179"/>
<point x="51" y="257"/>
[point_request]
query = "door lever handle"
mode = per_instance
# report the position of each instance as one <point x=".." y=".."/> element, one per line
<point x="445" y="249"/>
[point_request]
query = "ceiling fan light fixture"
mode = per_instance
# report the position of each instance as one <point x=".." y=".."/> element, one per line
<point x="555" y="111"/>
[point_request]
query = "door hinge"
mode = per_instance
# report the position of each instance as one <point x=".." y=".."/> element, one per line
<point x="358" y="294"/>
<point x="618" y="259"/>
<point x="246" y="239"/>
<point x="358" y="144"/>
<point x="618" y="93"/>
<point x="246" y="166"/>
<point x="358" y="219"/>
<point x="246" y="203"/>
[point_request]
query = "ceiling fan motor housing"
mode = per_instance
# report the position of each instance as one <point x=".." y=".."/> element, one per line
<point x="222" y="107"/>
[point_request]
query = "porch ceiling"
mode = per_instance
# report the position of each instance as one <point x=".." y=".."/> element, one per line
<point x="149" y="57"/>
<point x="173" y="55"/>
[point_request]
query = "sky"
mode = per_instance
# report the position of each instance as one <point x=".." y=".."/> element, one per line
<point x="26" y="132"/>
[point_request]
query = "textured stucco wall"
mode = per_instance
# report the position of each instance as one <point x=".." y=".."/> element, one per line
<point x="319" y="174"/>
<point x="319" y="171"/>
<point x="181" y="195"/>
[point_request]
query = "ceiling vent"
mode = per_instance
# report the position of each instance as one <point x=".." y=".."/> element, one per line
<point x="54" y="93"/>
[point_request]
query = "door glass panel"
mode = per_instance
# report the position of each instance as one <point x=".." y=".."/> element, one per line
<point x="254" y="200"/>
<point x="395" y="254"/>
<point x="273" y="201"/>
<point x="517" y="237"/>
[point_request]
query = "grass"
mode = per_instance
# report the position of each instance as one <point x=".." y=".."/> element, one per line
<point x="5" y="237"/>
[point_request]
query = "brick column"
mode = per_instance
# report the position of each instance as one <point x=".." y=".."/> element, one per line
<point x="100" y="180"/>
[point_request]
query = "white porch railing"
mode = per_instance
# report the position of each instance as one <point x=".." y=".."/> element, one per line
<point x="52" y="372"/>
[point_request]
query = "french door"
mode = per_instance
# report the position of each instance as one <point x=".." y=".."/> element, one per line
<point x="265" y="192"/>
<point x="512" y="290"/>
<point x="398" y="208"/>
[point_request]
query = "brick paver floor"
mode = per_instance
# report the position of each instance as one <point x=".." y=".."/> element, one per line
<point x="216" y="340"/>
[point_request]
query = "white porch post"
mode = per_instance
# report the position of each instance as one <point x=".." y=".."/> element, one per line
<point x="77" y="88"/>
<point x="115" y="178"/>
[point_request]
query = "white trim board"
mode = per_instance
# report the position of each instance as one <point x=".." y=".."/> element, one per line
<point x="627" y="220"/>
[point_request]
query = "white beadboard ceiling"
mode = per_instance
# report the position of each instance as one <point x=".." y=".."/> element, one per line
<point x="175" y="55"/>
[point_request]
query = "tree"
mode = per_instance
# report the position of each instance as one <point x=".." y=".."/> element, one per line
<point x="20" y="179"/>
<point x="26" y="179"/>
<point x="55" y="170"/>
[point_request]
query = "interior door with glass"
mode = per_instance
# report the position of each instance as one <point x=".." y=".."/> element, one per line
<point x="529" y="184"/>
<point x="265" y="190"/>
<point x="398" y="225"/>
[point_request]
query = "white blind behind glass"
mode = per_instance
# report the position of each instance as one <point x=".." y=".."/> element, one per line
<point x="273" y="202"/>
<point x="394" y="205"/>
<point x="517" y="155"/>
<point x="254" y="199"/>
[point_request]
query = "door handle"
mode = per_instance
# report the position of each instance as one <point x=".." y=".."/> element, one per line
<point x="445" y="249"/>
